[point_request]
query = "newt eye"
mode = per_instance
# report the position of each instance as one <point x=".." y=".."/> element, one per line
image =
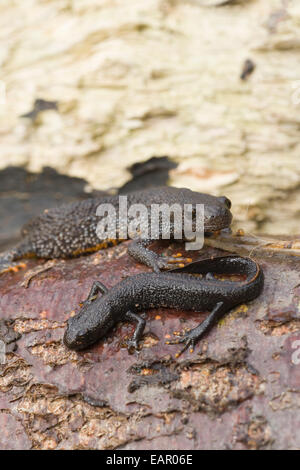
<point x="225" y="201"/>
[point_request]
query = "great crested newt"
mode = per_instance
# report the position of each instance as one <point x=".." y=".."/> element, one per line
<point x="70" y="230"/>
<point x="178" y="288"/>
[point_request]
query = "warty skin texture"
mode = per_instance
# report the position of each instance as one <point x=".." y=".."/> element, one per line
<point x="70" y="230"/>
<point x="178" y="289"/>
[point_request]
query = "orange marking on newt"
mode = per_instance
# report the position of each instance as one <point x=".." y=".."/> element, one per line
<point x="240" y="232"/>
<point x="99" y="246"/>
<point x="29" y="255"/>
<point x="14" y="268"/>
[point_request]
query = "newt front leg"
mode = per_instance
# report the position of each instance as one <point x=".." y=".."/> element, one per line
<point x="139" y="250"/>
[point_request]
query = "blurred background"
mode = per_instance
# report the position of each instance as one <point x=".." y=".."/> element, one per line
<point x="114" y="95"/>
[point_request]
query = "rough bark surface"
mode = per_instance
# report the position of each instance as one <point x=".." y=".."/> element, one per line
<point x="122" y="82"/>
<point x="239" y="389"/>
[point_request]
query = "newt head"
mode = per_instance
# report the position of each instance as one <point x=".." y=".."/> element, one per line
<point x="92" y="322"/>
<point x="217" y="215"/>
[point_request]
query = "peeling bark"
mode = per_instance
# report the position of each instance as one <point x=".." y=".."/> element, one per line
<point x="239" y="389"/>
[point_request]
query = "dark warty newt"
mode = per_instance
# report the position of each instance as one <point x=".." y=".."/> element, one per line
<point x="177" y="288"/>
<point x="70" y="230"/>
